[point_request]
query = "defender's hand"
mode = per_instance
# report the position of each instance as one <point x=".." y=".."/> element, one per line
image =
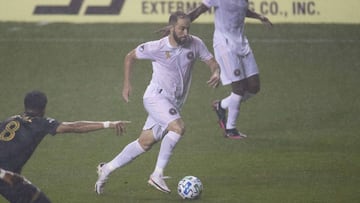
<point x="119" y="126"/>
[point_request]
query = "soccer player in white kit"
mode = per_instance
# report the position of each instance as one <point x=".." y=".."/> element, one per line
<point x="172" y="59"/>
<point x="235" y="57"/>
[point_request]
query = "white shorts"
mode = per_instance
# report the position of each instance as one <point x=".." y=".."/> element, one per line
<point x="161" y="112"/>
<point x="234" y="67"/>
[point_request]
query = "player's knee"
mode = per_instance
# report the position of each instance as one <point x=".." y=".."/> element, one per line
<point x="177" y="127"/>
<point x="180" y="130"/>
<point x="146" y="146"/>
<point x="146" y="140"/>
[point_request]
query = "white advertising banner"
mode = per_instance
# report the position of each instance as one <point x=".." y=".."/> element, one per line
<point x="143" y="11"/>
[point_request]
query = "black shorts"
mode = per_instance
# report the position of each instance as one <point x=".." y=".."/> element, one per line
<point x="22" y="192"/>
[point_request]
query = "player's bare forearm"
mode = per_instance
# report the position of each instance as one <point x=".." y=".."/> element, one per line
<point x="213" y="65"/>
<point x="215" y="73"/>
<point x="195" y="13"/>
<point x="128" y="65"/>
<point x="89" y="126"/>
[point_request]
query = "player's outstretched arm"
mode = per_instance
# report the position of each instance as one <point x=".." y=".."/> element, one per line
<point x="194" y="14"/>
<point x="88" y="126"/>
<point x="263" y="19"/>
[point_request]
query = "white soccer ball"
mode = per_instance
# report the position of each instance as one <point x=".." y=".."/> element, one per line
<point x="190" y="187"/>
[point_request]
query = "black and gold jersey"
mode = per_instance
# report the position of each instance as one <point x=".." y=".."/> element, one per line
<point x="19" y="137"/>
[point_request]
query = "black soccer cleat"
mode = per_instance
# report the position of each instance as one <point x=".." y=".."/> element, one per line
<point x="221" y="113"/>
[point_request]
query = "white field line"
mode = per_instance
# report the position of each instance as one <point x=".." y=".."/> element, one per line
<point x="139" y="40"/>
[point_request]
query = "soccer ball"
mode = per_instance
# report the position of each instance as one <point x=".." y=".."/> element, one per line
<point x="190" y="187"/>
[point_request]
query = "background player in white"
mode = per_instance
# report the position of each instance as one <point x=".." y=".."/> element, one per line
<point x="235" y="57"/>
<point x="172" y="59"/>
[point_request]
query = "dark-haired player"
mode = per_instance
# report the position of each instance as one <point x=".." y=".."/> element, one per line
<point x="21" y="134"/>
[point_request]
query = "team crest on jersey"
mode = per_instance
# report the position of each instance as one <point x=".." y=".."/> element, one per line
<point x="167" y="54"/>
<point x="237" y="72"/>
<point x="190" y="55"/>
<point x="172" y="111"/>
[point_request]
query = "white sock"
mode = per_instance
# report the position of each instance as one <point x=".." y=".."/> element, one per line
<point x="129" y="153"/>
<point x="168" y="143"/>
<point x="234" y="101"/>
<point x="225" y="102"/>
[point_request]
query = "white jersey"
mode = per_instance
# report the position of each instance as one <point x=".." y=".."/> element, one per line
<point x="172" y="66"/>
<point x="230" y="23"/>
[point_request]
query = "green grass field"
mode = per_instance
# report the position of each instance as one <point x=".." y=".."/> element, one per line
<point x="303" y="126"/>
